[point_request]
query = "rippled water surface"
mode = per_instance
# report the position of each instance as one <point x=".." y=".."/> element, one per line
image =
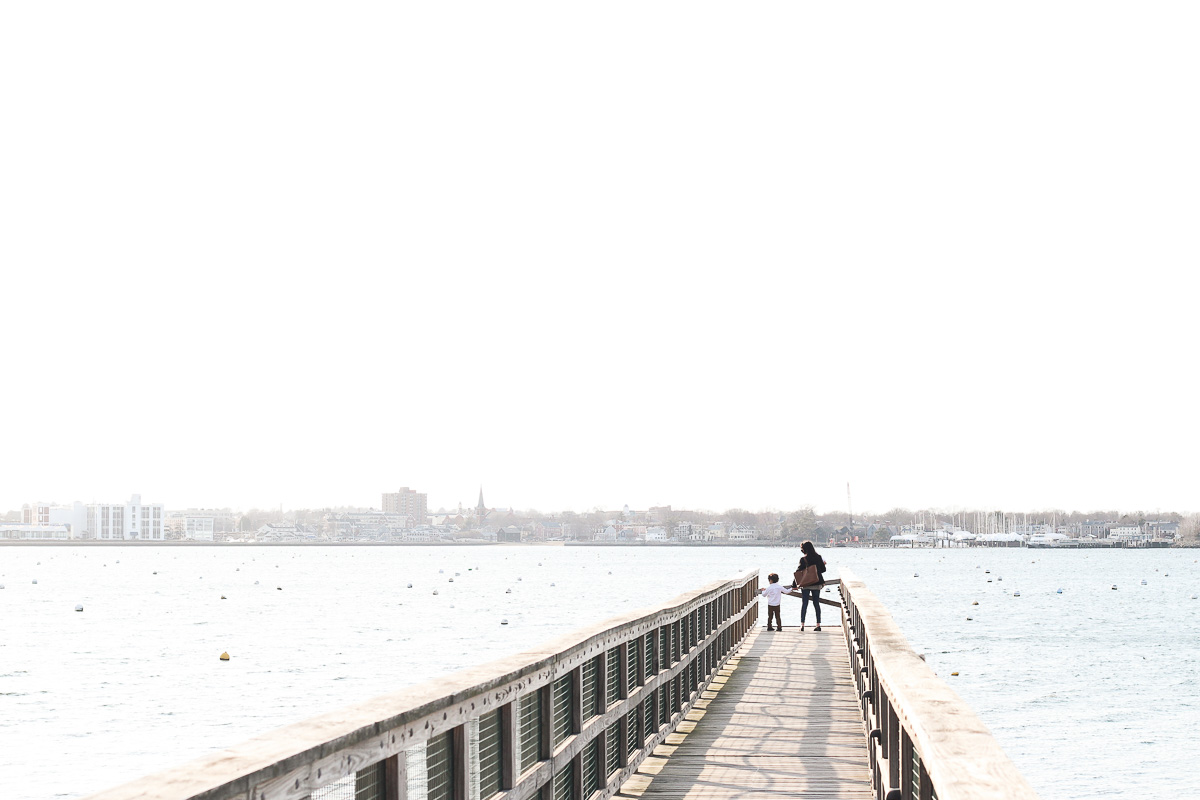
<point x="1091" y="691"/>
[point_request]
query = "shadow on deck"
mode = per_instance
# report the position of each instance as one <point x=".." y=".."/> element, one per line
<point x="782" y="718"/>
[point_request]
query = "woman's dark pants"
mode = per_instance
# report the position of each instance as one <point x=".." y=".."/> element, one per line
<point x="805" y="596"/>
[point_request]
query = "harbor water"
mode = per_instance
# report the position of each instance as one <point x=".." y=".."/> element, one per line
<point x="1091" y="690"/>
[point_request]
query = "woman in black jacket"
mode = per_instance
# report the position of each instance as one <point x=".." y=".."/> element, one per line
<point x="812" y="592"/>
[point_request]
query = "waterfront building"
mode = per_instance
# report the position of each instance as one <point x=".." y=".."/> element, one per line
<point x="195" y="523"/>
<point x="132" y="521"/>
<point x="377" y="525"/>
<point x="1127" y="533"/>
<point x="409" y="502"/>
<point x="283" y="532"/>
<point x="743" y="533"/>
<point x="656" y="533"/>
<point x="199" y="529"/>
<point x="74" y="517"/>
<point x="1161" y="530"/>
<point x="1095" y="528"/>
<point x="10" y="530"/>
<point x="547" y="531"/>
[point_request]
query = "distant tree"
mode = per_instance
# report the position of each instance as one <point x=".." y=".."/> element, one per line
<point x="1189" y="528"/>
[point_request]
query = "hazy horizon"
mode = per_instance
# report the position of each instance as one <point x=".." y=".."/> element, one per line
<point x="593" y="256"/>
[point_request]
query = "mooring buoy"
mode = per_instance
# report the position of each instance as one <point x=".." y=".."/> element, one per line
<point x="224" y="656"/>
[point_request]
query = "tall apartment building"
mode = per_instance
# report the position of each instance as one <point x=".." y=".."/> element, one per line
<point x="406" y="501"/>
<point x="132" y="520"/>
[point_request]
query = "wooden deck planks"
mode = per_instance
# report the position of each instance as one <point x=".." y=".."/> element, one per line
<point x="783" y="718"/>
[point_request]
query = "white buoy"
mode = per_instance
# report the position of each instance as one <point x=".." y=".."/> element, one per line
<point x="916" y="574"/>
<point x="1143" y="581"/>
<point x="508" y="591"/>
<point x="452" y="580"/>
<point x="35" y="581"/>
<point x="1114" y="587"/>
<point x="435" y="591"/>
<point x="256" y="583"/>
<point x="1059" y="591"/>
<point x="2" y="586"/>
<point x="79" y="607"/>
<point x="1017" y="593"/>
<point x="410" y="586"/>
<point x="503" y="622"/>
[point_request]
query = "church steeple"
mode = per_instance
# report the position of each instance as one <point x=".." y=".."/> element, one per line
<point x="480" y="508"/>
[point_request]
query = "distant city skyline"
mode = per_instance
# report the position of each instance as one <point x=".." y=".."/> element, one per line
<point x="415" y="503"/>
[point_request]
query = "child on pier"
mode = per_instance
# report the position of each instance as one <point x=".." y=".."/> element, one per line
<point x="773" y="592"/>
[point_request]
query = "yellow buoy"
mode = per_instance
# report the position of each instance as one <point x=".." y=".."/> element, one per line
<point x="225" y="657"/>
<point x="953" y="673"/>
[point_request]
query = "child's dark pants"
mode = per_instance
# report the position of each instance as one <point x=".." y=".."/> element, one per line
<point x="773" y="613"/>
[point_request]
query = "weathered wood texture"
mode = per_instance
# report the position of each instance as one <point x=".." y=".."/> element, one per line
<point x="292" y="762"/>
<point x="918" y="716"/>
<point x="782" y="718"/>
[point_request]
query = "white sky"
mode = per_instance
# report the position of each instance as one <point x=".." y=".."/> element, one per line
<point x="706" y="255"/>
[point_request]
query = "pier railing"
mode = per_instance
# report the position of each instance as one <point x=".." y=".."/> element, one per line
<point x="925" y="742"/>
<point x="570" y="720"/>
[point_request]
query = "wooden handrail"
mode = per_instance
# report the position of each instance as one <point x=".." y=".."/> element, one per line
<point x="292" y="762"/>
<point x="924" y="737"/>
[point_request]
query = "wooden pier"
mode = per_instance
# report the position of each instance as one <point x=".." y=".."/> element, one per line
<point x="781" y="719"/>
<point x="690" y="699"/>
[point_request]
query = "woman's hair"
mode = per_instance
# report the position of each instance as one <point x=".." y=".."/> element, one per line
<point x="808" y="549"/>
